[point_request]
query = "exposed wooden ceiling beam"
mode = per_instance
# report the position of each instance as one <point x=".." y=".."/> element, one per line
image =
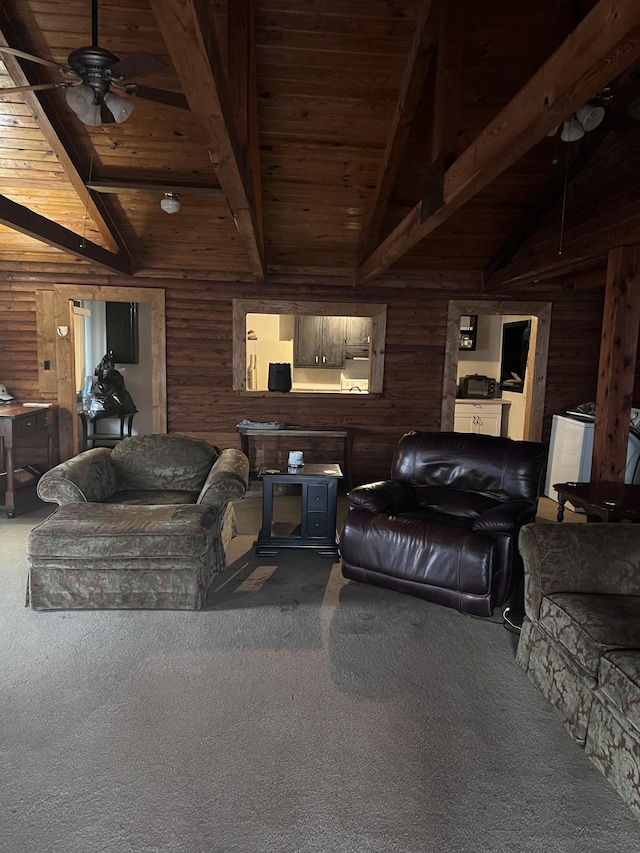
<point x="603" y="44"/>
<point x="20" y="218"/>
<point x="243" y="90"/>
<point x="446" y="114"/>
<point x="191" y="41"/>
<point x="122" y="187"/>
<point x="446" y="106"/>
<point x="415" y="74"/>
<point x="95" y="208"/>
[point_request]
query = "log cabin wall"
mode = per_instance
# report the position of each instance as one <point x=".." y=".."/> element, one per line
<point x="202" y="403"/>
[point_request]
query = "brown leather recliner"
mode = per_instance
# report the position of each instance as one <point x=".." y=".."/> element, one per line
<point x="445" y="526"/>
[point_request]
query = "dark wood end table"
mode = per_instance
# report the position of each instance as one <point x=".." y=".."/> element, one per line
<point x="604" y="502"/>
<point x="319" y="485"/>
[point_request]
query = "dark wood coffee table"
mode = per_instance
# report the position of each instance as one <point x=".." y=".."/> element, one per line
<point x="317" y="529"/>
<point x="608" y="502"/>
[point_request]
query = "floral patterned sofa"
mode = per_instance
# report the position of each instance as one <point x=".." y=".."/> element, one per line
<point x="580" y="640"/>
<point x="142" y="525"/>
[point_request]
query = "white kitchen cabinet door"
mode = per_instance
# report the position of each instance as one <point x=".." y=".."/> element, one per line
<point x="464" y="422"/>
<point x="482" y="418"/>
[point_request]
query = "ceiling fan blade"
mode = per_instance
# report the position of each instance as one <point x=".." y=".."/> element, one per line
<point x="620" y="120"/>
<point x="17" y="90"/>
<point x="161" y="96"/>
<point x="139" y="64"/>
<point x="626" y="90"/>
<point x="20" y="53"/>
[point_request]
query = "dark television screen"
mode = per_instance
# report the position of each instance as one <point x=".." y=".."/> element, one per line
<point x="515" y="349"/>
<point x="122" y="331"/>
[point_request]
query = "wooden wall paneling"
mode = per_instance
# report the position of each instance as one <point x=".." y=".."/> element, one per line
<point x="199" y="352"/>
<point x="619" y="349"/>
<point x="574" y="351"/>
<point x="47" y="362"/>
<point x="18" y="364"/>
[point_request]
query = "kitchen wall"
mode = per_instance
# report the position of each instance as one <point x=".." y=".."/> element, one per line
<point x="275" y="341"/>
<point x="486" y="358"/>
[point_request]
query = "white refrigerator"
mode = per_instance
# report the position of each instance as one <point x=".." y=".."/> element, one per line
<point x="570" y="452"/>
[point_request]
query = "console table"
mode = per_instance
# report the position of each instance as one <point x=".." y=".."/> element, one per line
<point x="319" y="485"/>
<point x="300" y="432"/>
<point x="605" y="502"/>
<point x="27" y="435"/>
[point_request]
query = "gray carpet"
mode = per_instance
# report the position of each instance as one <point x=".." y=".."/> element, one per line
<point x="297" y="714"/>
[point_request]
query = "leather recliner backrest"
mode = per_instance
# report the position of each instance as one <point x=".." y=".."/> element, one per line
<point x="498" y="467"/>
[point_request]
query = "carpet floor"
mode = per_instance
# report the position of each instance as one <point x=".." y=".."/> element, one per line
<point x="298" y="713"/>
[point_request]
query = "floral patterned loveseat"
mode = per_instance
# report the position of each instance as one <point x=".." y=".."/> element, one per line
<point x="142" y="525"/>
<point x="580" y="640"/>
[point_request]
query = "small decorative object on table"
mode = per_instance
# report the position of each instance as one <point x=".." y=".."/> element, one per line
<point x="296" y="459"/>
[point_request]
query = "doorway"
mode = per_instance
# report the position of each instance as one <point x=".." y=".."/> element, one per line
<point x="536" y="377"/>
<point x="62" y="307"/>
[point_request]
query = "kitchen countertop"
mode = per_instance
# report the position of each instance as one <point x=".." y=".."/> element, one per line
<point x="483" y="400"/>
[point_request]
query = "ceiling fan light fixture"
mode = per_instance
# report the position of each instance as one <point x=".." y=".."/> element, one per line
<point x="590" y="116"/>
<point x="120" y="108"/>
<point x="572" y="130"/>
<point x="80" y="99"/>
<point x="170" y="203"/>
<point x="92" y="117"/>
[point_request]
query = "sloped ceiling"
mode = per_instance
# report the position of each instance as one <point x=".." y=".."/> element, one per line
<point x="334" y="139"/>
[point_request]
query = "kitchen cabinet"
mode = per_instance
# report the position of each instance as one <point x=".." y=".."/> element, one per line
<point x="487" y="417"/>
<point x="319" y="341"/>
<point x="358" y="336"/>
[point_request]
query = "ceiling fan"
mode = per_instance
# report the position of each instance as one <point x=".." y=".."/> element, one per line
<point x="618" y="103"/>
<point x="96" y="73"/>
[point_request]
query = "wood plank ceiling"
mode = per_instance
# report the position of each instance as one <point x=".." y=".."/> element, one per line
<point x="337" y="139"/>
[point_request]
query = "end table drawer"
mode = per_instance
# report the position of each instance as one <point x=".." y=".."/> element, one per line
<point x="317" y="497"/>
<point x="317" y="525"/>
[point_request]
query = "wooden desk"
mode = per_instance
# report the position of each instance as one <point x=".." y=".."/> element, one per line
<point x="604" y="502"/>
<point x="28" y="435"/>
<point x="317" y="529"/>
<point x="346" y="435"/>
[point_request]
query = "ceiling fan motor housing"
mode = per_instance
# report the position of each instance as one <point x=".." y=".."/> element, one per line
<point x="93" y="65"/>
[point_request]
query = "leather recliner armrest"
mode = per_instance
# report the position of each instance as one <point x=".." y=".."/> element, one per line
<point x="507" y="517"/>
<point x="384" y="496"/>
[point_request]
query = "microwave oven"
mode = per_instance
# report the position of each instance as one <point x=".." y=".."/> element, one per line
<point x="479" y="387"/>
